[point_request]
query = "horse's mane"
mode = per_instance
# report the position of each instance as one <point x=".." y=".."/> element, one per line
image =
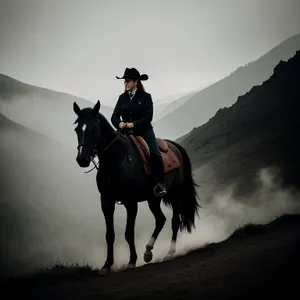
<point x="85" y="114"/>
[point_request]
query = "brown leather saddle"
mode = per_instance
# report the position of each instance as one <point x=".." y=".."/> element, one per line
<point x="170" y="160"/>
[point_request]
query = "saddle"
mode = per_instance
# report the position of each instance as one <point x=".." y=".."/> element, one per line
<point x="170" y="160"/>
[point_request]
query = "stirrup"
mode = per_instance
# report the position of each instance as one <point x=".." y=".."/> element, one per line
<point x="162" y="192"/>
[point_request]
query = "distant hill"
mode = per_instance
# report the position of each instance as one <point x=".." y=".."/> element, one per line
<point x="204" y="104"/>
<point x="26" y="104"/>
<point x="42" y="110"/>
<point x="262" y="129"/>
<point x="177" y="101"/>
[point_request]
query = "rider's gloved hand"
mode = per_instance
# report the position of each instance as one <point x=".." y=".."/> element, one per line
<point x="122" y="125"/>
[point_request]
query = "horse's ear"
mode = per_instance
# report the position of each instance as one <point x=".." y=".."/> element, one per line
<point x="96" y="108"/>
<point x="76" y="108"/>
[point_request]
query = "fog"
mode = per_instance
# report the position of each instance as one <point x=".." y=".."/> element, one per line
<point x="79" y="47"/>
<point x="50" y="209"/>
<point x="222" y="213"/>
<point x="51" y="113"/>
<point x="44" y="111"/>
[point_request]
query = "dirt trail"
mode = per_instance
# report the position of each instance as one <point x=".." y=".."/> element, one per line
<point x="253" y="263"/>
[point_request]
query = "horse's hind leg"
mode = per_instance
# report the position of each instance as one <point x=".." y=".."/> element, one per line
<point x="160" y="219"/>
<point x="175" y="228"/>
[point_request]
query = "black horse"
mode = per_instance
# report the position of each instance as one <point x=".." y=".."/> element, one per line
<point x="121" y="177"/>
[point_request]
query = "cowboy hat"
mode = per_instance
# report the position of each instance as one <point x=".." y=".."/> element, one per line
<point x="133" y="74"/>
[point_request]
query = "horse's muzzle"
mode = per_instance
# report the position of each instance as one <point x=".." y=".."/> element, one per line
<point x="83" y="162"/>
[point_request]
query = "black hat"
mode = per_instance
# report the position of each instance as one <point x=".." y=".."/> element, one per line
<point x="133" y="74"/>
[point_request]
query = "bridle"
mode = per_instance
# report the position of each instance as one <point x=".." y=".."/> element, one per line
<point x="94" y="150"/>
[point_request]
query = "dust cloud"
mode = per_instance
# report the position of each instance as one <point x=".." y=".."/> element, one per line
<point x="225" y="213"/>
<point x="222" y="213"/>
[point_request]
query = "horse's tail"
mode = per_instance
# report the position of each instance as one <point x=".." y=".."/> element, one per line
<point x="188" y="204"/>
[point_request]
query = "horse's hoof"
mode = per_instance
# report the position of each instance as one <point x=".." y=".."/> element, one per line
<point x="169" y="257"/>
<point x="148" y="256"/>
<point x="130" y="266"/>
<point x="104" y="271"/>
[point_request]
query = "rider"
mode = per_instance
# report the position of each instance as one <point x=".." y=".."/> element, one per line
<point x="135" y="106"/>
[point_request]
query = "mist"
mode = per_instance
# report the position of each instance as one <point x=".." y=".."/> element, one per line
<point x="79" y="47"/>
<point x="59" y="218"/>
<point x="223" y="213"/>
<point x="50" y="209"/>
<point x="43" y="111"/>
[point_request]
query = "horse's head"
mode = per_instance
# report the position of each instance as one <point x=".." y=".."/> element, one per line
<point x="88" y="133"/>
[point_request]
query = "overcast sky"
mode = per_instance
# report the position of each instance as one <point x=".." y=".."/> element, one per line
<point x="79" y="47"/>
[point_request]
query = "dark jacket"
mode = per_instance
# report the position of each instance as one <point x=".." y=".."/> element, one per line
<point x="138" y="111"/>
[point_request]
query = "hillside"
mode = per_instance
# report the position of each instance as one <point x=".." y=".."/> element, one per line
<point x="260" y="130"/>
<point x="174" y="102"/>
<point x="44" y="111"/>
<point x="256" y="261"/>
<point x="204" y="104"/>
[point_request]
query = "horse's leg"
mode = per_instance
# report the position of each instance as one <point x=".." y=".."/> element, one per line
<point x="175" y="228"/>
<point x="132" y="208"/>
<point x="108" y="209"/>
<point x="160" y="219"/>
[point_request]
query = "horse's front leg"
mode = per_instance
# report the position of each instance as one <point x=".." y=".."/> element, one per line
<point x="160" y="219"/>
<point x="108" y="209"/>
<point x="132" y="208"/>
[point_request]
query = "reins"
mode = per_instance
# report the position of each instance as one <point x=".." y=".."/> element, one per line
<point x="119" y="133"/>
<point x="96" y="152"/>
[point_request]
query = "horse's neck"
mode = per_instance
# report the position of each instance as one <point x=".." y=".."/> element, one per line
<point x="113" y="146"/>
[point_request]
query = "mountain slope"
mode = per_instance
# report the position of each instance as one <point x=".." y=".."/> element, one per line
<point x="204" y="104"/>
<point x="174" y="104"/>
<point x="45" y="201"/>
<point x="260" y="130"/>
<point x="44" y="111"/>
